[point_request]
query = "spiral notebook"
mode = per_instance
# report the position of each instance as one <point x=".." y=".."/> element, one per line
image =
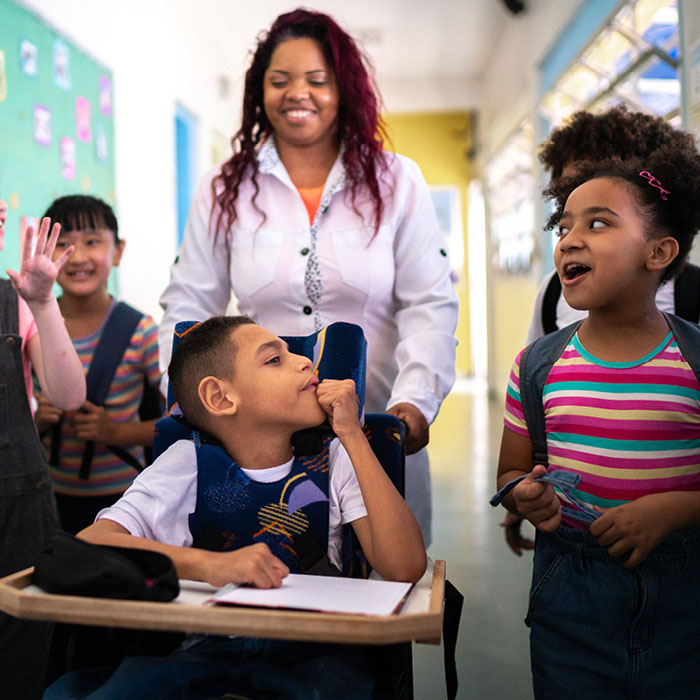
<point x="329" y="594"/>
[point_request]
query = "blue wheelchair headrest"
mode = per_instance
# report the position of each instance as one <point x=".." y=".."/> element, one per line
<point x="338" y="351"/>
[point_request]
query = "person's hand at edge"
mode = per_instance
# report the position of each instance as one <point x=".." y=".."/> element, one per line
<point x="418" y="429"/>
<point x="514" y="538"/>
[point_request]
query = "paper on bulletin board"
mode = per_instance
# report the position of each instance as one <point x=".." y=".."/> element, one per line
<point x="3" y="78"/>
<point x="42" y="125"/>
<point x="67" y="158"/>
<point x="61" y="65"/>
<point x="105" y="90"/>
<point x="101" y="150"/>
<point x="83" y="123"/>
<point x="694" y="87"/>
<point x="28" y="57"/>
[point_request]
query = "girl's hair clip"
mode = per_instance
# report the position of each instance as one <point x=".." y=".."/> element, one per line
<point x="655" y="183"/>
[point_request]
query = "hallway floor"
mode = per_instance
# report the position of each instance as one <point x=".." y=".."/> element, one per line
<point x="492" y="649"/>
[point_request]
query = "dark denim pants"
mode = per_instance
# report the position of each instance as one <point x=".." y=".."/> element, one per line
<point x="601" y="632"/>
<point x="239" y="667"/>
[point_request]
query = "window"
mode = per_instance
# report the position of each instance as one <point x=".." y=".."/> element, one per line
<point x="509" y="178"/>
<point x="446" y="203"/>
<point x="633" y="60"/>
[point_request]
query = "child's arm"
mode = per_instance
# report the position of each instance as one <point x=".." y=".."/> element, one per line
<point x="93" y="423"/>
<point x="517" y="542"/>
<point x="58" y="368"/>
<point x="533" y="500"/>
<point x="389" y="535"/>
<point x="254" y="565"/>
<point x="641" y="525"/>
<point x="46" y="414"/>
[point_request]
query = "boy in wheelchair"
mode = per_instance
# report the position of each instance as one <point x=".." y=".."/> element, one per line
<point x="237" y="488"/>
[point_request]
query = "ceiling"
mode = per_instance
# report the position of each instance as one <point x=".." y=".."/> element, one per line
<point x="426" y="54"/>
<point x="446" y="41"/>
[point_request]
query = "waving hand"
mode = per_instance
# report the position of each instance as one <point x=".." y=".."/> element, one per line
<point x="38" y="271"/>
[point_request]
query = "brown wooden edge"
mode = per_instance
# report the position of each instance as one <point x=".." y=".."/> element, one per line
<point x="256" y="622"/>
<point x="437" y="600"/>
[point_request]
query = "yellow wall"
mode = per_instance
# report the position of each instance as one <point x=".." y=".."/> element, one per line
<point x="438" y="142"/>
<point x="511" y="300"/>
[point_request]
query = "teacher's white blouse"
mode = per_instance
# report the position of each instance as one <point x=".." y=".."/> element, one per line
<point x="294" y="278"/>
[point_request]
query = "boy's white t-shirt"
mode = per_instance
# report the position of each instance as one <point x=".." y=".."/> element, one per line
<point x="158" y="503"/>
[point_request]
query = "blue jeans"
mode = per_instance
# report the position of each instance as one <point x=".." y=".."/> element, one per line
<point x="599" y="631"/>
<point x="245" y="668"/>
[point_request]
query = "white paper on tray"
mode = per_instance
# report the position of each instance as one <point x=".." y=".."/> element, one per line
<point x="323" y="594"/>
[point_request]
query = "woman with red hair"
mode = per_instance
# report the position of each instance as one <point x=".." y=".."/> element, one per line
<point x="311" y="221"/>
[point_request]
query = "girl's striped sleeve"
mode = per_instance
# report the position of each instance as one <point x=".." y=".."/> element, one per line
<point x="514" y="418"/>
<point x="149" y="349"/>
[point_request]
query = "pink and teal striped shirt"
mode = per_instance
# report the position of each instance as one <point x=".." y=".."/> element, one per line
<point x="629" y="428"/>
<point x="109" y="474"/>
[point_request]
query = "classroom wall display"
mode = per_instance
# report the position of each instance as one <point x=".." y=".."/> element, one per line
<point x="56" y="122"/>
<point x="3" y="82"/>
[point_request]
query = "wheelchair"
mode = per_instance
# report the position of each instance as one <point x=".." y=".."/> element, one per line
<point x="337" y="352"/>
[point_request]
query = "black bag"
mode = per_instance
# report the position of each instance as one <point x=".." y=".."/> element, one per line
<point x="74" y="567"/>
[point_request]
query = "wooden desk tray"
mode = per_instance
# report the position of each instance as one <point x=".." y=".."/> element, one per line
<point x="420" y="619"/>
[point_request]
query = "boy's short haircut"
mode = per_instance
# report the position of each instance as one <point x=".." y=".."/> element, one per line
<point x="616" y="133"/>
<point x="205" y="350"/>
<point x="79" y="212"/>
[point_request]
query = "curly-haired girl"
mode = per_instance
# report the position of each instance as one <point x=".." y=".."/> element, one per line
<point x="311" y="221"/>
<point x="614" y="610"/>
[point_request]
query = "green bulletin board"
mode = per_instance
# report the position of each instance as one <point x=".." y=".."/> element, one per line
<point x="56" y="124"/>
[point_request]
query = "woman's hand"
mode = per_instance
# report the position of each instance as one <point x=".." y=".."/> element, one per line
<point x="634" y="528"/>
<point x="418" y="429"/>
<point x="38" y="272"/>
<point x="537" y="501"/>
<point x="339" y="400"/>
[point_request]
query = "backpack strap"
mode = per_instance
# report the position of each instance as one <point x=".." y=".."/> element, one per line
<point x="687" y="336"/>
<point x="114" y="340"/>
<point x="536" y="362"/>
<point x="686" y="293"/>
<point x="549" y="304"/>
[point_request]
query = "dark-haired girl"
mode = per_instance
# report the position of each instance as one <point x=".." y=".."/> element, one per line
<point x="614" y="610"/>
<point x="311" y="221"/>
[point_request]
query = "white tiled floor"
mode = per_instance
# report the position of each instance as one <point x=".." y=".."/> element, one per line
<point x="492" y="650"/>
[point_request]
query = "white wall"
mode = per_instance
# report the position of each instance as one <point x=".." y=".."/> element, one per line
<point x="510" y="87"/>
<point x="156" y="61"/>
<point x="510" y="79"/>
<point x="431" y="94"/>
